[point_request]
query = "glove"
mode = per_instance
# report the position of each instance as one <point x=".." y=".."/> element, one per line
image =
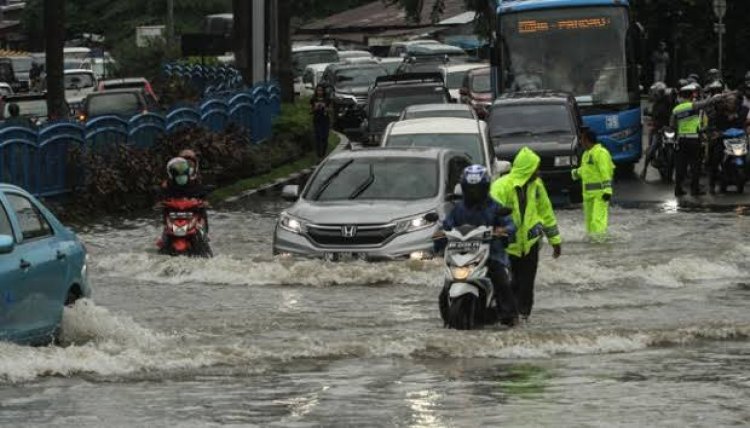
<point x="556" y="251"/>
<point x="607" y="197"/>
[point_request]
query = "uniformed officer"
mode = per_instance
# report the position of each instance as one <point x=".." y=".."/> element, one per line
<point x="596" y="173"/>
<point x="686" y="120"/>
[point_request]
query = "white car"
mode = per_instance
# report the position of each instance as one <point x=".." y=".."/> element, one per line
<point x="5" y="89"/>
<point x="399" y="49"/>
<point x="306" y="55"/>
<point x="344" y="55"/>
<point x="467" y="136"/>
<point x="454" y="74"/>
<point x="313" y="75"/>
<point x="78" y="85"/>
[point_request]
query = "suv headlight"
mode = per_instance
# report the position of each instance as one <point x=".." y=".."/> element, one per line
<point x="561" y="161"/>
<point x="345" y="98"/>
<point x="413" y="224"/>
<point x="292" y="224"/>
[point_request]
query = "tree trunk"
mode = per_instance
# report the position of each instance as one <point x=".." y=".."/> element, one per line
<point x="285" y="72"/>
<point x="241" y="38"/>
<point x="54" y="26"/>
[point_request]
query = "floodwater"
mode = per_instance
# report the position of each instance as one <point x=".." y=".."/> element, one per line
<point x="649" y="329"/>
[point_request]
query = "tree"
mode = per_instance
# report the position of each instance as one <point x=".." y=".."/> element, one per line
<point x="54" y="23"/>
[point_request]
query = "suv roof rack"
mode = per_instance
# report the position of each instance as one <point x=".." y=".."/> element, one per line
<point x="411" y="78"/>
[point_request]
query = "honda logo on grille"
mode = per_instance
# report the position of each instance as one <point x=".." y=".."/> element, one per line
<point x="348" y="231"/>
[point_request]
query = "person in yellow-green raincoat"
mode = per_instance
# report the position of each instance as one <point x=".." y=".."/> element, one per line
<point x="595" y="173"/>
<point x="524" y="192"/>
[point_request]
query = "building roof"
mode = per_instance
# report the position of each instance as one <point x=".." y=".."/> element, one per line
<point x="379" y="15"/>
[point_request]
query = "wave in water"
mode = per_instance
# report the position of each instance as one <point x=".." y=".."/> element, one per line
<point x="110" y="345"/>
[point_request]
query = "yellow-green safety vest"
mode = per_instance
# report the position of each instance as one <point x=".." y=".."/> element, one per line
<point x="539" y="217"/>
<point x="596" y="171"/>
<point x="688" y="120"/>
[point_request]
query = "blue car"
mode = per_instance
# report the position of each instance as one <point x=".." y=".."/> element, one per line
<point x="42" y="269"/>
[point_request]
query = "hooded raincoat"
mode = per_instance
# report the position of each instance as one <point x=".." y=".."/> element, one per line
<point x="532" y="208"/>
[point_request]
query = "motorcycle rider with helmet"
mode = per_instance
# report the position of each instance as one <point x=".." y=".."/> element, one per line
<point x="661" y="113"/>
<point x="179" y="185"/>
<point x="477" y="208"/>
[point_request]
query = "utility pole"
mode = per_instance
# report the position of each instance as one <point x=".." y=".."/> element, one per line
<point x="720" y="10"/>
<point x="170" y="22"/>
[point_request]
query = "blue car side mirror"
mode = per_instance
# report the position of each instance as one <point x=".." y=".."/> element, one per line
<point x="6" y="244"/>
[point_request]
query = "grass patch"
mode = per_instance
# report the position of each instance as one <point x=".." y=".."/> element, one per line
<point x="242" y="186"/>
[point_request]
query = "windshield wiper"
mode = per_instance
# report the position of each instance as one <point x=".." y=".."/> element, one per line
<point x="514" y="134"/>
<point x="330" y="179"/>
<point x="364" y="186"/>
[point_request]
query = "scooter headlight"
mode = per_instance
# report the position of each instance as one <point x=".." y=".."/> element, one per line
<point x="461" y="273"/>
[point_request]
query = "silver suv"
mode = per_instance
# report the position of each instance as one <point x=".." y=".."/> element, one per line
<point x="371" y="204"/>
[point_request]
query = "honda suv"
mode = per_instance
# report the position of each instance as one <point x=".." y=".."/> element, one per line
<point x="392" y="94"/>
<point x="371" y="204"/>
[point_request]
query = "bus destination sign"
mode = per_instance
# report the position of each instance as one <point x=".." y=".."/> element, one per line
<point x="530" y="26"/>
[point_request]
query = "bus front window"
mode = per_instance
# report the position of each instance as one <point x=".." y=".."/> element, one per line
<point x="576" y="50"/>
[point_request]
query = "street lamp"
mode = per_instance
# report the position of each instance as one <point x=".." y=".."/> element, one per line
<point x="720" y="10"/>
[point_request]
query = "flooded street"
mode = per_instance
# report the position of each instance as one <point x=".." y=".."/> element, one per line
<point x="649" y="329"/>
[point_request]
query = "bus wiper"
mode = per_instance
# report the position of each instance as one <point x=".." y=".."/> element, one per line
<point x="330" y="179"/>
<point x="364" y="186"/>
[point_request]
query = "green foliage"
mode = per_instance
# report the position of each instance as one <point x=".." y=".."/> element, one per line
<point x="116" y="20"/>
<point x="295" y="122"/>
<point x="146" y="61"/>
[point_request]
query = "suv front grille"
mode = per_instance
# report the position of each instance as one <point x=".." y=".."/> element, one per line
<point x="344" y="235"/>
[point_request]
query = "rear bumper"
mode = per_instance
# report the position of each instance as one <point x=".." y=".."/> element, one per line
<point x="399" y="247"/>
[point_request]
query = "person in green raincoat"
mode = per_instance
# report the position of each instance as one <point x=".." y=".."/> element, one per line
<point x="596" y="173"/>
<point x="524" y="192"/>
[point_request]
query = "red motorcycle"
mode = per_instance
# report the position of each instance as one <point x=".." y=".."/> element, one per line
<point x="184" y="228"/>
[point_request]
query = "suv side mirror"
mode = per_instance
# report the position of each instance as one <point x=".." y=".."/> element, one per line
<point x="457" y="194"/>
<point x="290" y="192"/>
<point x="502" y="167"/>
<point x="6" y="244"/>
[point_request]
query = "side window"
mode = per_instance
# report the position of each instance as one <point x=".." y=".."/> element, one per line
<point x="308" y="78"/>
<point x="456" y="168"/>
<point x="32" y="222"/>
<point x="5" y="228"/>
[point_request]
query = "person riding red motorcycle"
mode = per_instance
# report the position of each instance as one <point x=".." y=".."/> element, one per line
<point x="184" y="211"/>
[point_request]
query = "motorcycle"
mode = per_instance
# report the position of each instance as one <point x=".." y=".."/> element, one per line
<point x="733" y="167"/>
<point x="468" y="297"/>
<point x="184" y="228"/>
<point x="664" y="158"/>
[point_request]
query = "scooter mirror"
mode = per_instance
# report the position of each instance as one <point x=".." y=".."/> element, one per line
<point x="432" y="217"/>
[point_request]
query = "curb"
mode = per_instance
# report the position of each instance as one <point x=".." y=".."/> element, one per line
<point x="296" y="177"/>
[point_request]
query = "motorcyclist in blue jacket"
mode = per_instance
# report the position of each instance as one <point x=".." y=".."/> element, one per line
<point x="477" y="208"/>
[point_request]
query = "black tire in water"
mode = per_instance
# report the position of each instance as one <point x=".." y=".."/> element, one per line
<point x="462" y="312"/>
<point x="741" y="179"/>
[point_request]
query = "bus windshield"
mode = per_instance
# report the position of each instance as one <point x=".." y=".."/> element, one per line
<point x="579" y="50"/>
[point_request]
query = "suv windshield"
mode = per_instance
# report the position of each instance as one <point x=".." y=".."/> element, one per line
<point x="78" y="81"/>
<point x="418" y="114"/>
<point x="530" y="119"/>
<point x="113" y="103"/>
<point x="28" y="108"/>
<point x="470" y="144"/>
<point x="390" y="178"/>
<point x="392" y="103"/>
<point x="364" y="76"/>
<point x="302" y="59"/>
<point x="481" y="83"/>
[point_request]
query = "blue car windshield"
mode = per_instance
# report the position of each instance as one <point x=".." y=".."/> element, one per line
<point x="543" y="51"/>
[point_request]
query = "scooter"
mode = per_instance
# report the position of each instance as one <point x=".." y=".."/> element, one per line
<point x="733" y="168"/>
<point x="664" y="158"/>
<point x="468" y="299"/>
<point x="184" y="229"/>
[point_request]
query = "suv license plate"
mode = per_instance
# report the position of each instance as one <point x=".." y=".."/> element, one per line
<point x="342" y="257"/>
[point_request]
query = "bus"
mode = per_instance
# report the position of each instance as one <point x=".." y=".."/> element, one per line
<point x="584" y="47"/>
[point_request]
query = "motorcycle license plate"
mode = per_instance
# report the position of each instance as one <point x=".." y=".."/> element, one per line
<point x="739" y="161"/>
<point x="464" y="246"/>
